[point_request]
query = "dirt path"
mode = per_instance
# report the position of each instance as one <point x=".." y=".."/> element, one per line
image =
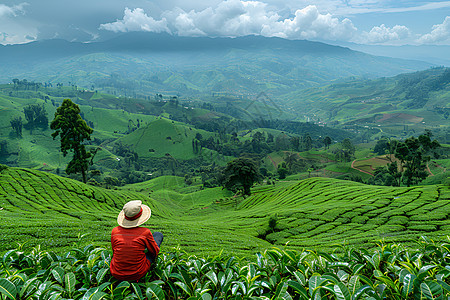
<point x="429" y="171"/>
<point x="437" y="166"/>
<point x="273" y="162"/>
<point x="353" y="167"/>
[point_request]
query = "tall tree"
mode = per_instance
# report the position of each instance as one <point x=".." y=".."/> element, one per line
<point x="295" y="143"/>
<point x="381" y="146"/>
<point x="3" y="147"/>
<point x="241" y="174"/>
<point x="413" y="154"/>
<point x="291" y="159"/>
<point x="307" y="142"/>
<point x="259" y="144"/>
<point x="345" y="151"/>
<point x="348" y="145"/>
<point x="17" y="125"/>
<point x="282" y="171"/>
<point x="72" y="130"/>
<point x="327" y="142"/>
<point x="36" y="116"/>
<point x="282" y="142"/>
<point x="396" y="175"/>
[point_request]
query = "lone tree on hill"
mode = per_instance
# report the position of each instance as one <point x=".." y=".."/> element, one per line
<point x="240" y="174"/>
<point x="291" y="159"/>
<point x="327" y="142"/>
<point x="17" y="125"/>
<point x="381" y="146"/>
<point x="3" y="147"/>
<point x="73" y="130"/>
<point x="36" y="116"/>
<point x="346" y="151"/>
<point x="413" y="154"/>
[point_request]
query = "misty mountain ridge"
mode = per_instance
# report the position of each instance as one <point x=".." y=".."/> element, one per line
<point x="138" y="42"/>
<point x="140" y="63"/>
<point x="436" y="54"/>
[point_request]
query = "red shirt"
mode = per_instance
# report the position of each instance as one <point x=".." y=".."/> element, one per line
<point x="128" y="244"/>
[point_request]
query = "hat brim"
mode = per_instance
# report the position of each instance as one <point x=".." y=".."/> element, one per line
<point x="146" y="213"/>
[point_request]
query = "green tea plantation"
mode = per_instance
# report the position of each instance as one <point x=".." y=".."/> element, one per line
<point x="313" y="239"/>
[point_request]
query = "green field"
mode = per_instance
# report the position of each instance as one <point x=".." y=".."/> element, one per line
<point x="42" y="208"/>
<point x="164" y="136"/>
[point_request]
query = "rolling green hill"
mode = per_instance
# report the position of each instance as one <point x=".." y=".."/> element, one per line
<point x="151" y="128"/>
<point x="399" y="105"/>
<point x="37" y="149"/>
<point x="164" y="136"/>
<point x="39" y="207"/>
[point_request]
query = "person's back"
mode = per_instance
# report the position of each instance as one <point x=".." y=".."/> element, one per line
<point x="129" y="242"/>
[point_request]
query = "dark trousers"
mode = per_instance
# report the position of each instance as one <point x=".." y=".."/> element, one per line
<point x="158" y="237"/>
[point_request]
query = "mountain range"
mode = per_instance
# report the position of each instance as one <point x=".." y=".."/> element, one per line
<point x="142" y="64"/>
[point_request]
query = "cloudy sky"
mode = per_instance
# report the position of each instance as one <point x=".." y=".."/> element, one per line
<point x="385" y="22"/>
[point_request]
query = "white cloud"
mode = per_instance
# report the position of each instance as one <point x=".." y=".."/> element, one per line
<point x="237" y="18"/>
<point x="423" y="7"/>
<point x="439" y="34"/>
<point x="12" y="30"/>
<point x="309" y="23"/>
<point x="12" y="10"/>
<point x="383" y="34"/>
<point x="186" y="25"/>
<point x="18" y="38"/>
<point x="136" y="20"/>
<point x="352" y="7"/>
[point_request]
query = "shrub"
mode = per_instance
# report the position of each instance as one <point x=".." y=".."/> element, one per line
<point x="273" y="222"/>
<point x="390" y="271"/>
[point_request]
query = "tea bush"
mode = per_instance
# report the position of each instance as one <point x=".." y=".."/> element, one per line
<point x="390" y="271"/>
<point x="44" y="209"/>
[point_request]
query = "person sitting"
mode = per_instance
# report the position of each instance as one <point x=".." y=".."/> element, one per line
<point x="135" y="248"/>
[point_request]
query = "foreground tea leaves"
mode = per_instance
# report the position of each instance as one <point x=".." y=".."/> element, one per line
<point x="7" y="288"/>
<point x="388" y="272"/>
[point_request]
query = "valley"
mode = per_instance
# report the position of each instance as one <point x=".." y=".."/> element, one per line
<point x="276" y="169"/>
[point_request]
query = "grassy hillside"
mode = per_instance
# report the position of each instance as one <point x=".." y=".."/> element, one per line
<point x="164" y="136"/>
<point x="398" y="105"/>
<point x="111" y="117"/>
<point x="32" y="150"/>
<point x="151" y="128"/>
<point x="159" y="136"/>
<point x="43" y="208"/>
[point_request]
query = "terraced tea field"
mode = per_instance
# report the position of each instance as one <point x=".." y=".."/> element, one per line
<point x="369" y="165"/>
<point x="41" y="208"/>
<point x="318" y="211"/>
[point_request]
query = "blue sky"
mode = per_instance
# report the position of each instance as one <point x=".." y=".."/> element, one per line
<point x="367" y="22"/>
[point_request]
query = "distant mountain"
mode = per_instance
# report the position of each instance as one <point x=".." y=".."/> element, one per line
<point x="140" y="64"/>
<point x="143" y="42"/>
<point x="407" y="102"/>
<point x="436" y="54"/>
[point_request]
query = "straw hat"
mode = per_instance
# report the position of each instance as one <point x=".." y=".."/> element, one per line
<point x="133" y="214"/>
